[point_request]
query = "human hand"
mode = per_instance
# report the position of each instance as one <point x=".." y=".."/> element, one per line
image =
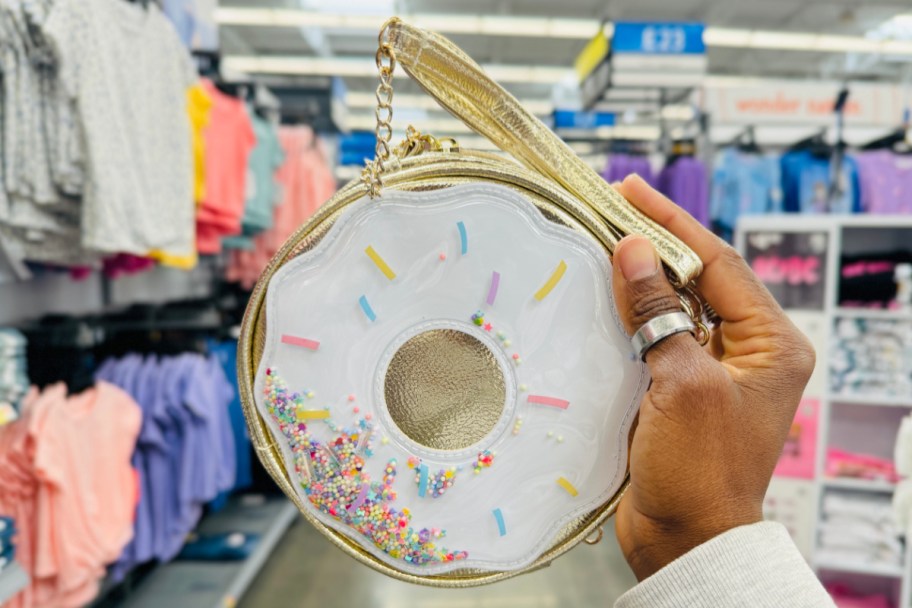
<point x="713" y="423"/>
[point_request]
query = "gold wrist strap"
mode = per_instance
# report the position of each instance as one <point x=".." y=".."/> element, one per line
<point x="461" y="86"/>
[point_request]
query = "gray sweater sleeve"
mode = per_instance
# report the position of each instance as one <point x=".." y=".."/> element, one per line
<point x="756" y="566"/>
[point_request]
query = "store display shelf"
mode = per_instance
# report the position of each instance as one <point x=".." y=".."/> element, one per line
<point x="874" y="313"/>
<point x="885" y="570"/>
<point x="873" y="400"/>
<point x="862" y="485"/>
<point x="13" y="579"/>
<point x="218" y="584"/>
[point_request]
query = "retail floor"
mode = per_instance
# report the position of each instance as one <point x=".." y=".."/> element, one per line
<point x="306" y="571"/>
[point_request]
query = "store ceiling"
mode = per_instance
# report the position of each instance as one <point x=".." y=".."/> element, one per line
<point x="832" y="17"/>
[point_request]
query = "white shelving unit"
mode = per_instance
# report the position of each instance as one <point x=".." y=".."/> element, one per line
<point x="856" y="422"/>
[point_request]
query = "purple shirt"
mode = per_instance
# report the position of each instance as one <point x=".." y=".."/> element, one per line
<point x="685" y="182"/>
<point x="886" y="182"/>
<point x="622" y="165"/>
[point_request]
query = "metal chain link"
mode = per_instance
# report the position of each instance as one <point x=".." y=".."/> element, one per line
<point x="386" y="65"/>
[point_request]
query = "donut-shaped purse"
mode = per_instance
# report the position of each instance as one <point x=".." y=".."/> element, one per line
<point x="433" y="368"/>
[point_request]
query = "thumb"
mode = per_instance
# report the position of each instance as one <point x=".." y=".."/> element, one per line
<point x="642" y="292"/>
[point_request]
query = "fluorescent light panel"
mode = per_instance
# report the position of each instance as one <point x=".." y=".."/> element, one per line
<point x="560" y="28"/>
<point x="366" y="68"/>
<point x="486" y="25"/>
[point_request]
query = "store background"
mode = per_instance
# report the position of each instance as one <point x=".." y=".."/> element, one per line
<point x="770" y="75"/>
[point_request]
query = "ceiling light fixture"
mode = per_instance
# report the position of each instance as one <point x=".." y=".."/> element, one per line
<point x="366" y="68"/>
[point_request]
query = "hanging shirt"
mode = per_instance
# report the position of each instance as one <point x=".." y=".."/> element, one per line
<point x="229" y="139"/>
<point x="806" y="180"/>
<point x="886" y="182"/>
<point x="306" y="182"/>
<point x="264" y="161"/>
<point x="226" y="355"/>
<point x="620" y="166"/>
<point x="128" y="72"/>
<point x="743" y="184"/>
<point x="92" y="494"/>
<point x="685" y="182"/>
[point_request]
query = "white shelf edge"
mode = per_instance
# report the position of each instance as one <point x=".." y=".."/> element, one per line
<point x="257" y="560"/>
<point x="860" y="568"/>
<point x="863" y="485"/>
<point x="873" y="314"/>
<point x="872" y="400"/>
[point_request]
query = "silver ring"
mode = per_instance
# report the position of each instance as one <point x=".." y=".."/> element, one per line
<point x="654" y="331"/>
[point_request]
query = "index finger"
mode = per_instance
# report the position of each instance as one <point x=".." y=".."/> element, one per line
<point x="727" y="282"/>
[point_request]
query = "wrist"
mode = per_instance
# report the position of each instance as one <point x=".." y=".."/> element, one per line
<point x="658" y="543"/>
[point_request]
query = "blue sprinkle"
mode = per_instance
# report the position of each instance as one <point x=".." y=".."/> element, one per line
<point x="501" y="526"/>
<point x="366" y="307"/>
<point x="463" y="237"/>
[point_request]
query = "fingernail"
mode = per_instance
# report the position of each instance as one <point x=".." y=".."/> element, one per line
<point x="637" y="258"/>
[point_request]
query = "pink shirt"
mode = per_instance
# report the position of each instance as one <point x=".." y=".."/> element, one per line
<point x="229" y="139"/>
<point x="306" y="182"/>
<point x="66" y="477"/>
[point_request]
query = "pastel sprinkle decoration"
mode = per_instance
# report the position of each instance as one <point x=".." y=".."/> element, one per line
<point x="366" y="307"/>
<point x="551" y="401"/>
<point x="312" y="414"/>
<point x="501" y="525"/>
<point x="485" y="460"/>
<point x="495" y="284"/>
<point x="463" y="237"/>
<point x="566" y="485"/>
<point x="380" y="262"/>
<point x="333" y="476"/>
<point x="302" y="342"/>
<point x="362" y="496"/>
<point x="552" y="282"/>
<point x="422" y="480"/>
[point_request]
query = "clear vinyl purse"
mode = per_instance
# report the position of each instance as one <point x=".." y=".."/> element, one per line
<point x="432" y="367"/>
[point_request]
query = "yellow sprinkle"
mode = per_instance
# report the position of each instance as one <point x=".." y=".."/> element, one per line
<point x="556" y="276"/>
<point x="380" y="262"/>
<point x="565" y="484"/>
<point x="312" y="414"/>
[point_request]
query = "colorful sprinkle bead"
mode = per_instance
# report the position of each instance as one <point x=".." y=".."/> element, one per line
<point x="333" y="479"/>
<point x="478" y="318"/>
<point x="435" y="484"/>
<point x="485" y="460"/>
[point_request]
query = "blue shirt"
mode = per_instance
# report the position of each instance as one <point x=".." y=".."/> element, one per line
<point x="806" y="180"/>
<point x="744" y="184"/>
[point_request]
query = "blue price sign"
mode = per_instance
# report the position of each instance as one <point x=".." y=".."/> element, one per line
<point x="658" y="38"/>
<point x="571" y="119"/>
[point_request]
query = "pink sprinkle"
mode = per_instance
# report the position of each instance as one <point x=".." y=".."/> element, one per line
<point x="442" y="257"/>
<point x="515" y="356"/>
<point x="552" y="401"/>
<point x="356" y="410"/>
<point x="303" y="342"/>
<point x="351" y="397"/>
<point x="368" y="416"/>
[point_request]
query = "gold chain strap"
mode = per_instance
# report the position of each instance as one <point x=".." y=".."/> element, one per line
<point x="386" y="65"/>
